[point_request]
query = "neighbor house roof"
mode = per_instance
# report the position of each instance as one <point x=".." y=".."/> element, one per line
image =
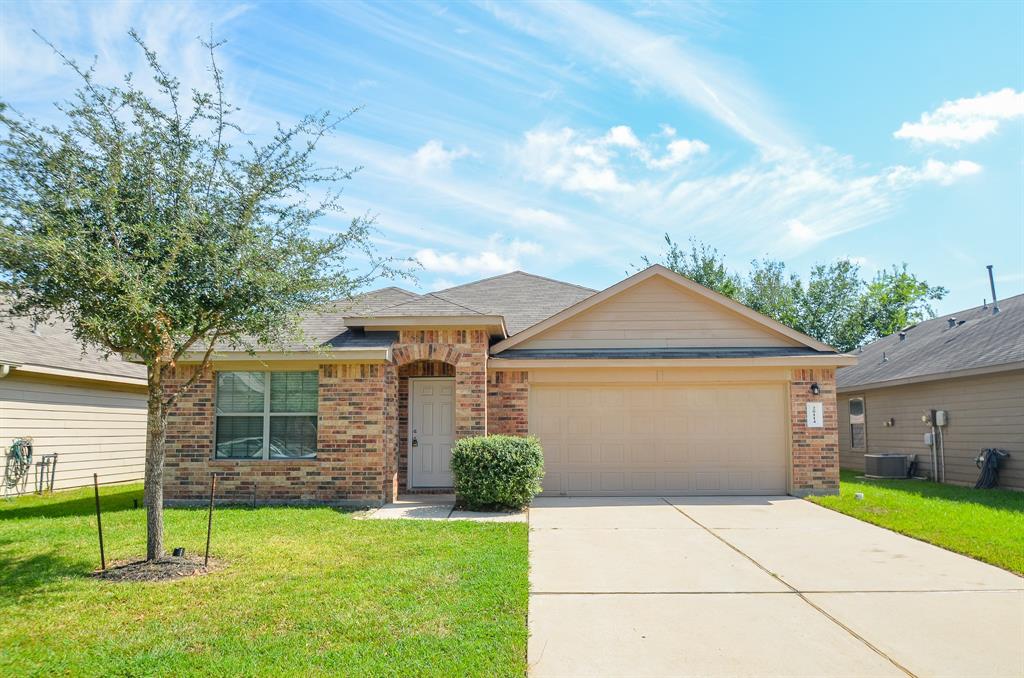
<point x="53" y="349"/>
<point x="975" y="342"/>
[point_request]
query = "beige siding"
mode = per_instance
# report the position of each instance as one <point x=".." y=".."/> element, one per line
<point x="984" y="411"/>
<point x="657" y="313"/>
<point x="93" y="428"/>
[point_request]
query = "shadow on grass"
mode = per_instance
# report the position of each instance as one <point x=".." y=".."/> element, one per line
<point x="1006" y="500"/>
<point x="77" y="506"/>
<point x="23" y="578"/>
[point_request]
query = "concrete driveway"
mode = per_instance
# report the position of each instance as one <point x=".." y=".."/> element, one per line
<point x="757" y="586"/>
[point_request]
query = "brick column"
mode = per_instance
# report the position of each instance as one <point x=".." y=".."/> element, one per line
<point x="815" y="450"/>
<point x="508" y="395"/>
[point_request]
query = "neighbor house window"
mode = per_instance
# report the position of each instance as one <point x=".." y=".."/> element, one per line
<point x="857" y="426"/>
<point x="266" y="415"/>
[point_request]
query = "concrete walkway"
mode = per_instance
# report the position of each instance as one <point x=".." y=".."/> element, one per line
<point x="438" y="507"/>
<point x="757" y="586"/>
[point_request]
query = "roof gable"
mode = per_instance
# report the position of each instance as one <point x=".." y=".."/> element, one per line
<point x="657" y="308"/>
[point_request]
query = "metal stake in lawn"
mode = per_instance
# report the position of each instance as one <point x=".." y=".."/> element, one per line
<point x="209" y="519"/>
<point x="99" y="521"/>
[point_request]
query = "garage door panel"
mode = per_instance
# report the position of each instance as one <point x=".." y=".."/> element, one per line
<point x="667" y="440"/>
<point x="673" y="482"/>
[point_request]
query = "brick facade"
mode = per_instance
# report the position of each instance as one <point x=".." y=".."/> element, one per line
<point x="355" y="428"/>
<point x="815" y="450"/>
<point x="363" y="426"/>
<point x="362" y="432"/>
<point x="508" y="400"/>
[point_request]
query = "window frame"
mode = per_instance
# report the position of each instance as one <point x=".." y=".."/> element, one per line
<point x="862" y="421"/>
<point x="266" y="414"/>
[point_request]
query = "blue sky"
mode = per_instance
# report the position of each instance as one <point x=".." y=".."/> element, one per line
<point x="565" y="138"/>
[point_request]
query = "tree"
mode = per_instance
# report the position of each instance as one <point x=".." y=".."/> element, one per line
<point x="701" y="264"/>
<point x="769" y="291"/>
<point x="828" y="306"/>
<point x="894" y="299"/>
<point x="137" y="221"/>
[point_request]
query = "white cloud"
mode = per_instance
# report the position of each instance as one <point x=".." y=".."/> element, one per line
<point x="678" y="152"/>
<point x="567" y="159"/>
<point x="622" y="135"/>
<point x="434" y="155"/>
<point x="933" y="171"/>
<point x="499" y="257"/>
<point x="965" y="120"/>
<point x="801" y="232"/>
<point x="575" y="162"/>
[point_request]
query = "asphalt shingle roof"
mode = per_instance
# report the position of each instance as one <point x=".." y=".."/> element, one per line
<point x="523" y="299"/>
<point x="53" y="345"/>
<point x="978" y="340"/>
<point x="428" y="305"/>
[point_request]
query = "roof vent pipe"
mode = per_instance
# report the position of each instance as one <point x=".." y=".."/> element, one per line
<point x="885" y="359"/>
<point x="992" y="284"/>
<point x="952" y="321"/>
<point x="903" y="336"/>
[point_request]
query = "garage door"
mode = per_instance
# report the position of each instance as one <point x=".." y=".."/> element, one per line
<point x="643" y="439"/>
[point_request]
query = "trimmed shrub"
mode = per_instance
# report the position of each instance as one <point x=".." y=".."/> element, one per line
<point x="497" y="472"/>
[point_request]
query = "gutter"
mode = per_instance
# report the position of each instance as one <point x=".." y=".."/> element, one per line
<point x="831" y="360"/>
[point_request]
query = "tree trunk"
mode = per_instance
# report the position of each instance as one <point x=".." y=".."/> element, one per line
<point x="156" y="437"/>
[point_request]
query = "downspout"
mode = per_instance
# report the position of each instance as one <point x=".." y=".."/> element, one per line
<point x="5" y="369"/>
<point x="942" y="456"/>
<point x="935" y="457"/>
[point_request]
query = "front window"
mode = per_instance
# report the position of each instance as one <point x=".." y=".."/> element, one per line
<point x="857" y="425"/>
<point x="266" y="415"/>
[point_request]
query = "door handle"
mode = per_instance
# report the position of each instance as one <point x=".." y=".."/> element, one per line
<point x="415" y="442"/>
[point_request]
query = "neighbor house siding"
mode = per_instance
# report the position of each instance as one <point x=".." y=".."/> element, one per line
<point x="93" y="427"/>
<point x="984" y="411"/>
<point x="656" y="313"/>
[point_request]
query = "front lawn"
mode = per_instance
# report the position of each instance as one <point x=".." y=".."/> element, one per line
<point x="984" y="524"/>
<point x="305" y="591"/>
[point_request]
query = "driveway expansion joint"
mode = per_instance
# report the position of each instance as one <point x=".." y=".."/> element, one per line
<point x="794" y="590"/>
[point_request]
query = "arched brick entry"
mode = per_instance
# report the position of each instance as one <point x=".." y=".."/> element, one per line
<point x="416" y="368"/>
<point x="460" y="353"/>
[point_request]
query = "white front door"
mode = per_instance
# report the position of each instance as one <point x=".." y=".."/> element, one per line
<point x="431" y="431"/>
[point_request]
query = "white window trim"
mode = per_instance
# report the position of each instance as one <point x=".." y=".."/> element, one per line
<point x="266" y="414"/>
<point x="862" y="419"/>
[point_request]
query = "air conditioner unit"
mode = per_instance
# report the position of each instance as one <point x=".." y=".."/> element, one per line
<point x="887" y="465"/>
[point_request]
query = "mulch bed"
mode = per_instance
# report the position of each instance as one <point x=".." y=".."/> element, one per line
<point x="167" y="568"/>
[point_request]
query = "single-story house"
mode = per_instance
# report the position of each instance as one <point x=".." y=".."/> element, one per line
<point x="654" y="386"/>
<point x="88" y="410"/>
<point x="969" y="365"/>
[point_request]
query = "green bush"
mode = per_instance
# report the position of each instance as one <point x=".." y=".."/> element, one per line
<point x="497" y="472"/>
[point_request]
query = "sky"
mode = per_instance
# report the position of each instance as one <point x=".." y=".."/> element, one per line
<point x="566" y="139"/>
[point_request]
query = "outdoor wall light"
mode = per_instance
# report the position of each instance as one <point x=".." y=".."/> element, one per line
<point x="815" y="389"/>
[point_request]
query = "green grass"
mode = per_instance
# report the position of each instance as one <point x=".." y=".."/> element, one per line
<point x="983" y="524"/>
<point x="305" y="591"/>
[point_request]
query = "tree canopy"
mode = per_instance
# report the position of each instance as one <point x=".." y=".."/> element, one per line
<point x="835" y="304"/>
<point x="149" y="222"/>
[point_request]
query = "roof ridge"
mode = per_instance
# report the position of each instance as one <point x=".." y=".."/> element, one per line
<point x="517" y="271"/>
<point x="454" y="303"/>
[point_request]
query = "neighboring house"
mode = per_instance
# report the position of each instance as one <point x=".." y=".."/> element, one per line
<point x="88" y="410"/>
<point x="654" y="386"/>
<point x="970" y="364"/>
